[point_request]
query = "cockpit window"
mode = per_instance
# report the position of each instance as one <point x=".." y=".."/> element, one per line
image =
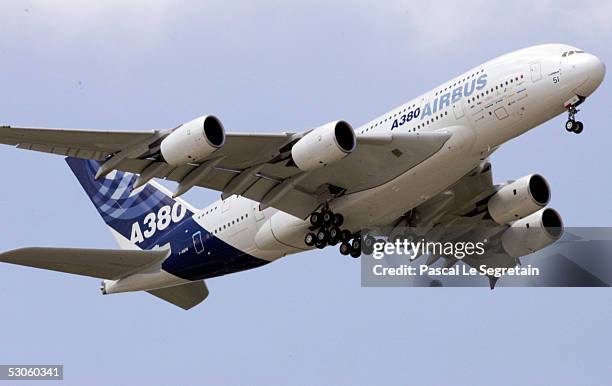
<point x="568" y="53"/>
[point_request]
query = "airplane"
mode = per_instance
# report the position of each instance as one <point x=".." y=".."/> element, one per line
<point x="423" y="163"/>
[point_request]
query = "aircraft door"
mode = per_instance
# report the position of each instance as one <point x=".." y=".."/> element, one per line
<point x="259" y="216"/>
<point x="458" y="109"/>
<point x="536" y="71"/>
<point x="197" y="242"/>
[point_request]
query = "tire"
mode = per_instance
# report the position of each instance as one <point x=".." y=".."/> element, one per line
<point x="578" y="128"/>
<point x="328" y="217"/>
<point x="345" y="235"/>
<point x="320" y="245"/>
<point x="345" y="248"/>
<point x="570" y="125"/>
<point x="322" y="236"/>
<point x="356" y="244"/>
<point x="334" y="235"/>
<point x="310" y="239"/>
<point x="367" y="246"/>
<point x="338" y="220"/>
<point x="355" y="253"/>
<point x="315" y="219"/>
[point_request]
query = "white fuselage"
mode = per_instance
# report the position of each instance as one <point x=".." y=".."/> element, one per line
<point x="497" y="101"/>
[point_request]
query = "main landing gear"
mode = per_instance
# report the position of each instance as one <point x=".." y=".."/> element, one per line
<point x="572" y="125"/>
<point x="325" y="230"/>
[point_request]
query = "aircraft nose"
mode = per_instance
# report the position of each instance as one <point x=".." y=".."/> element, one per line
<point x="593" y="70"/>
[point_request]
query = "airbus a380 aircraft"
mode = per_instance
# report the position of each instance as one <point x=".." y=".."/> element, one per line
<point x="421" y="164"/>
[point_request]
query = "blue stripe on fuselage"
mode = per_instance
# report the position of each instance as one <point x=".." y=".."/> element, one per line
<point x="213" y="257"/>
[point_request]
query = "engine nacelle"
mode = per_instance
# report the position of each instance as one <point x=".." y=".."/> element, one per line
<point x="519" y="199"/>
<point x="532" y="233"/>
<point x="324" y="145"/>
<point x="193" y="141"/>
<point x="280" y="231"/>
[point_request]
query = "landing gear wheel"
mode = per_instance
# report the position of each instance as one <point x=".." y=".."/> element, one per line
<point x="356" y="247"/>
<point x="570" y="125"/>
<point x="579" y="127"/>
<point x="345" y="235"/>
<point x="328" y="217"/>
<point x="368" y="245"/>
<point x="338" y="219"/>
<point x="322" y="236"/>
<point x="345" y="248"/>
<point x="316" y="219"/>
<point x="334" y="235"/>
<point x="310" y="239"/>
<point x="320" y="245"/>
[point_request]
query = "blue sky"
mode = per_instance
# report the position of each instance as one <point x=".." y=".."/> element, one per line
<point x="277" y="66"/>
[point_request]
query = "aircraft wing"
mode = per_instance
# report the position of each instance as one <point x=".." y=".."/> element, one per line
<point x="90" y="144"/>
<point x="253" y="165"/>
<point x="110" y="264"/>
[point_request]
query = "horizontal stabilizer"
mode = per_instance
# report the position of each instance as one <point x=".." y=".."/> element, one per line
<point x="101" y="263"/>
<point x="185" y="296"/>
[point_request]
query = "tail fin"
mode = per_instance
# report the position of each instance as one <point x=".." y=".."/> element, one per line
<point x="138" y="218"/>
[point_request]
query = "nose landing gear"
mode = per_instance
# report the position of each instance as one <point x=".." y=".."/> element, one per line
<point x="572" y="125"/>
<point x="325" y="230"/>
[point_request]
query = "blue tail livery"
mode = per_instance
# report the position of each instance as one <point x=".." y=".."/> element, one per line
<point x="140" y="215"/>
<point x="147" y="217"/>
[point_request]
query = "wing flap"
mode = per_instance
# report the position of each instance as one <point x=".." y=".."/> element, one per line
<point x="100" y="263"/>
<point x="185" y="296"/>
<point x="67" y="151"/>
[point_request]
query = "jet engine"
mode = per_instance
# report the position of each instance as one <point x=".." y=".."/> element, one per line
<point x="324" y="145"/>
<point x="193" y="141"/>
<point x="532" y="233"/>
<point x="519" y="199"/>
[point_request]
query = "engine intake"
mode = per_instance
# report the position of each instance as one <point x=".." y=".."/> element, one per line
<point x="519" y="199"/>
<point x="324" y="145"/>
<point x="193" y="141"/>
<point x="532" y="233"/>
